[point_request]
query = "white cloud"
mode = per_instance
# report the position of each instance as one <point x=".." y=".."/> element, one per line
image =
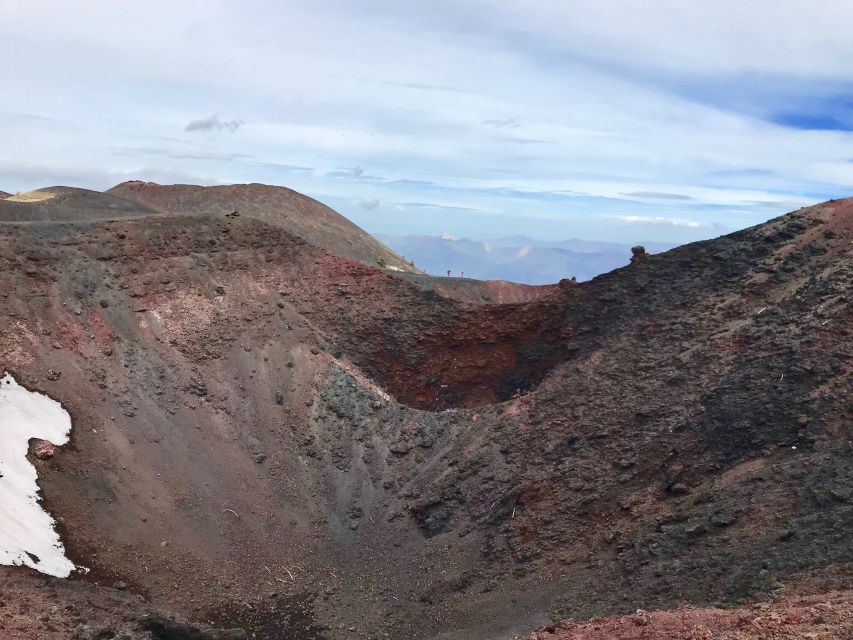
<point x="369" y="205"/>
<point x="213" y="123"/>
<point x="695" y="36"/>
<point x="449" y="103"/>
<point x="508" y="123"/>
<point x="675" y="222"/>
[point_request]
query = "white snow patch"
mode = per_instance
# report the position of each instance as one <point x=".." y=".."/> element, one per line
<point x="393" y="268"/>
<point x="27" y="534"/>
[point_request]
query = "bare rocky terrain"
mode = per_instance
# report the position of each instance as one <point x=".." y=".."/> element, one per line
<point x="273" y="433"/>
<point x="67" y="204"/>
<point x="277" y="206"/>
<point x="828" y="616"/>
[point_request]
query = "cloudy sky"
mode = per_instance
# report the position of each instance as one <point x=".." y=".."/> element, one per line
<point x="625" y="120"/>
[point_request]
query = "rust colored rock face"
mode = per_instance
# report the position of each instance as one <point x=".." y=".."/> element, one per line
<point x="826" y="617"/>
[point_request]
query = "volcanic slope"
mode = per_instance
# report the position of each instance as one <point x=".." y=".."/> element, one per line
<point x="272" y="436"/>
<point x="68" y="204"/>
<point x="278" y="206"/>
<point x="828" y="616"/>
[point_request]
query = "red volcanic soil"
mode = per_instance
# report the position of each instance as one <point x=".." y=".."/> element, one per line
<point x="432" y="352"/>
<point x="823" y="617"/>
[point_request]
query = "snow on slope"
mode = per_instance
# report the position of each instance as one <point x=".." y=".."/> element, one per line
<point x="27" y="534"/>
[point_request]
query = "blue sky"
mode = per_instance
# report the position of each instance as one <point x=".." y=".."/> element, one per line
<point x="600" y="119"/>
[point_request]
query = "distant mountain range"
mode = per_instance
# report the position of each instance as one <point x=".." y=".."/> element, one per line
<point x="515" y="258"/>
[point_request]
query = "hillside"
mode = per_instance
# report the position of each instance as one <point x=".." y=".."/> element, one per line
<point x="271" y="435"/>
<point x="277" y="206"/>
<point x="68" y="204"/>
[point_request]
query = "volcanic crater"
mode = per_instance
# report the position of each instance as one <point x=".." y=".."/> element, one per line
<point x="274" y="433"/>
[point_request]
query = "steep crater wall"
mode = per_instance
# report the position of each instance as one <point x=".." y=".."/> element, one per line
<point x="433" y="353"/>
